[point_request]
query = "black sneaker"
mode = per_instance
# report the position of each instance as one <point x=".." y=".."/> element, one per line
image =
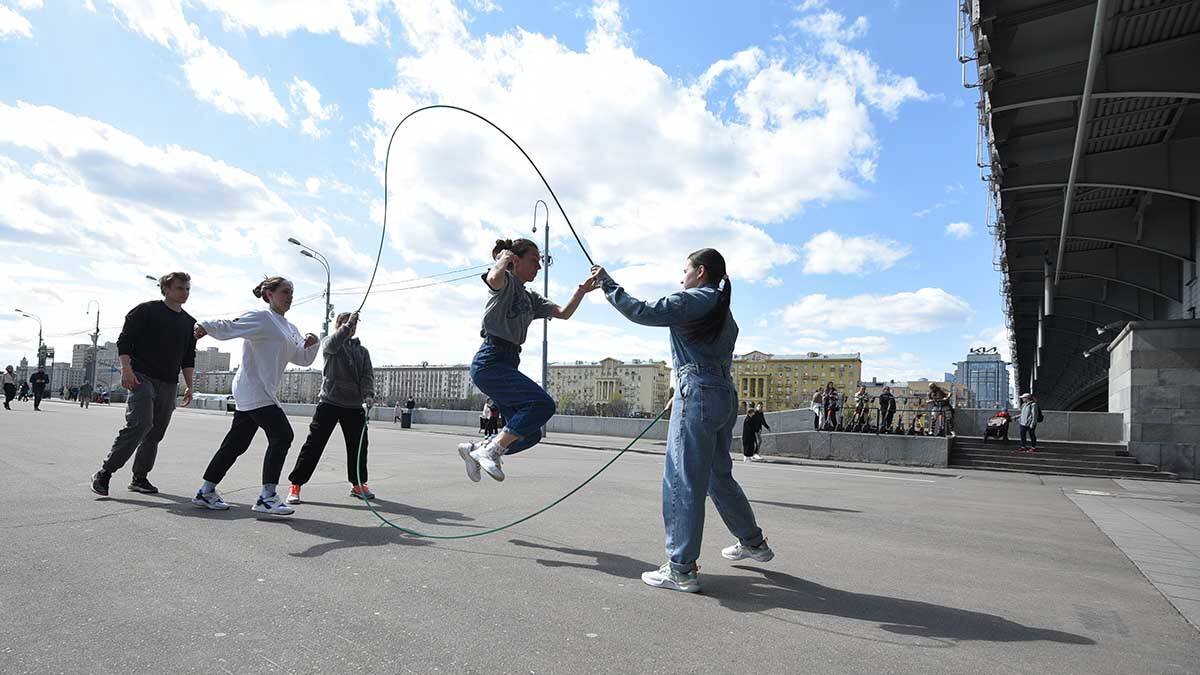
<point x="142" y="485"/>
<point x="100" y="483"/>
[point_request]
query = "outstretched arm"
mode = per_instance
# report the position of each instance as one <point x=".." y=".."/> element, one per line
<point x="674" y="309"/>
<point x="247" y="325"/>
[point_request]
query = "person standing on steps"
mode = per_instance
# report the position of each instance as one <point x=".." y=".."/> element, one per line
<point x="270" y="342"/>
<point x="703" y="334"/>
<point x="1027" y="421"/>
<point x="510" y="309"/>
<point x="347" y="393"/>
<point x="156" y="343"/>
<point x="38" y="382"/>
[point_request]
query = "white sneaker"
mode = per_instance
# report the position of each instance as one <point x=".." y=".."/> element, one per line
<point x="760" y="553"/>
<point x="273" y="505"/>
<point x="488" y="458"/>
<point x="210" y="500"/>
<point x="756" y="458"/>
<point x="666" y="577"/>
<point x="465" y="451"/>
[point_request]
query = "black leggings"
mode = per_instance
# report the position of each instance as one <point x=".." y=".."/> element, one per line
<point x="749" y="446"/>
<point x="320" y="429"/>
<point x="246" y="423"/>
<point x="10" y="391"/>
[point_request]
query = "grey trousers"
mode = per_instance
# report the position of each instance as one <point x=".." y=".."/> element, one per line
<point x="147" y="414"/>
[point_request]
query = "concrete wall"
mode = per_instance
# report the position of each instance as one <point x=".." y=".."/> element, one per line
<point x="1058" y="425"/>
<point x="879" y="449"/>
<point x="1154" y="384"/>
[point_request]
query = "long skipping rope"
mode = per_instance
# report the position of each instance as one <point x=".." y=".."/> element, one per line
<point x="382" y="237"/>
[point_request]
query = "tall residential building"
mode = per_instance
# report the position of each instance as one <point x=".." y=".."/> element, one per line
<point x="641" y="384"/>
<point x="211" y="359"/>
<point x="107" y="353"/>
<point x="985" y="376"/>
<point x="302" y="385"/>
<point x="787" y="381"/>
<point x="425" y="383"/>
<point x="214" y="382"/>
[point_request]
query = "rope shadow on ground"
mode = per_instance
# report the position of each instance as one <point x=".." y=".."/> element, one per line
<point x="778" y="590"/>
<point x="804" y="507"/>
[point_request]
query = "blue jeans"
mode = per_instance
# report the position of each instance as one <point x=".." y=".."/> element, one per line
<point x="526" y="406"/>
<point x="704" y="412"/>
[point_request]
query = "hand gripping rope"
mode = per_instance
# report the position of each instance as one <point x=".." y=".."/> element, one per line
<point x="379" y="255"/>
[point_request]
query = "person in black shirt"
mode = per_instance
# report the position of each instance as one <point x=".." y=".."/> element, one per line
<point x="887" y="409"/>
<point x="38" y="382"/>
<point x="156" y="342"/>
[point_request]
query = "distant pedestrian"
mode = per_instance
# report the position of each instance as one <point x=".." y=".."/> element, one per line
<point x="155" y="344"/>
<point x="23" y="392"/>
<point x="9" y="378"/>
<point x="38" y="382"/>
<point x="760" y="424"/>
<point x="887" y="408"/>
<point x="347" y="393"/>
<point x="270" y="343"/>
<point x="748" y="432"/>
<point x="818" y="408"/>
<point x="85" y="394"/>
<point x="1027" y="421"/>
<point x="483" y="417"/>
<point x="396" y="412"/>
<point x="410" y="405"/>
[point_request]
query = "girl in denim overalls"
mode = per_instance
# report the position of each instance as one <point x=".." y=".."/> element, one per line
<point x="703" y="334"/>
<point x="510" y="309"/>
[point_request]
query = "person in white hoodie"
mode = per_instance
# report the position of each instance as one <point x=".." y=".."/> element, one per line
<point x="270" y="343"/>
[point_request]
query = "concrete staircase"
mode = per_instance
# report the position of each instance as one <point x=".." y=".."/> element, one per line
<point x="1107" y="460"/>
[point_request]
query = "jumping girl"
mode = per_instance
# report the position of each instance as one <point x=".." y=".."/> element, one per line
<point x="510" y="309"/>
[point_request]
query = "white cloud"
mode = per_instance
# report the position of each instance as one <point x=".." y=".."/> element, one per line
<point x="312" y="184"/>
<point x="830" y="25"/>
<point x="306" y="103"/>
<point x="882" y="89"/>
<point x="772" y="282"/>
<point x="99" y="194"/>
<point x="958" y="230"/>
<point x="646" y="168"/>
<point x="926" y="211"/>
<point x="213" y="75"/>
<point x="355" y="21"/>
<point x="830" y="253"/>
<point x="29" y="4"/>
<point x="921" y="311"/>
<point x="13" y="24"/>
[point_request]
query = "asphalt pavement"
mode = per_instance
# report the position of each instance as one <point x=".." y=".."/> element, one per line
<point x="874" y="571"/>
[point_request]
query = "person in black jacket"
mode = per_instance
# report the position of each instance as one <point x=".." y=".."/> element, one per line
<point x="347" y="392"/>
<point x="887" y="408"/>
<point x="38" y="382"/>
<point x="760" y="421"/>
<point x="156" y="342"/>
<point x="749" y="431"/>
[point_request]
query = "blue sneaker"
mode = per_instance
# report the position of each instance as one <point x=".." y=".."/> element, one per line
<point x="272" y="505"/>
<point x="210" y="500"/>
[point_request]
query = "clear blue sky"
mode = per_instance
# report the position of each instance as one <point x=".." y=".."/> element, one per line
<point x="826" y="147"/>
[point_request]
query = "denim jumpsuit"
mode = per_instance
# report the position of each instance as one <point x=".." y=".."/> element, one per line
<point x="704" y="412"/>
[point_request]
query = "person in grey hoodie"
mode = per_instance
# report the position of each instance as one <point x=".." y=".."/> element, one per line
<point x="347" y="392"/>
<point x="1027" y="421"/>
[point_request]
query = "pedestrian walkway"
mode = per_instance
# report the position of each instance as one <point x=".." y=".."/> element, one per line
<point x="1158" y="527"/>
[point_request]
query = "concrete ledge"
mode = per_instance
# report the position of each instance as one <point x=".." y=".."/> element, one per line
<point x="873" y="448"/>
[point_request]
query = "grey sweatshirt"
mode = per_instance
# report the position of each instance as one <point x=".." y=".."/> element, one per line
<point x="349" y="378"/>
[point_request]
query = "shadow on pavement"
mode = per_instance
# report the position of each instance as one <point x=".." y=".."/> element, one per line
<point x="804" y="507"/>
<point x="341" y="536"/>
<point x="777" y="590"/>
<point x="423" y="515"/>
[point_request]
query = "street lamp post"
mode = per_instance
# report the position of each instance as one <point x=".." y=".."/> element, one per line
<point x="546" y="262"/>
<point x="310" y="252"/>
<point x="95" y="343"/>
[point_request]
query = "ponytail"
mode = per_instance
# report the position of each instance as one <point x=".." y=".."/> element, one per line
<point x="267" y="284"/>
<point x="519" y="247"/>
<point x="709" y="326"/>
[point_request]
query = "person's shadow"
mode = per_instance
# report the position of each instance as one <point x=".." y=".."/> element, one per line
<point x="340" y="535"/>
<point x="422" y="515"/>
<point x="778" y="590"/>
